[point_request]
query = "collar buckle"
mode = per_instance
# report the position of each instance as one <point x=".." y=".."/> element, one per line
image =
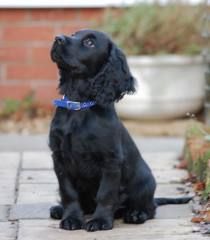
<point x="73" y="105"/>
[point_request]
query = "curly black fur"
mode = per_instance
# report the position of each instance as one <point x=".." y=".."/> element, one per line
<point x="114" y="80"/>
<point x="99" y="168"/>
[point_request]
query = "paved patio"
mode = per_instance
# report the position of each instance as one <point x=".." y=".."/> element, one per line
<point x="29" y="187"/>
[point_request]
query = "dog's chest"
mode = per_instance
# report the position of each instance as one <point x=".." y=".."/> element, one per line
<point x="81" y="146"/>
<point x="84" y="153"/>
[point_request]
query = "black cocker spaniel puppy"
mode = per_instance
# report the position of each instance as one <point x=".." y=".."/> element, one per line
<point x="99" y="168"/>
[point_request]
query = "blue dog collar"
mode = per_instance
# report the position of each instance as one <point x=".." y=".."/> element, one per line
<point x="70" y="105"/>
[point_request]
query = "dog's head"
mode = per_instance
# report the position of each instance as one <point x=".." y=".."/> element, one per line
<point x="92" y="56"/>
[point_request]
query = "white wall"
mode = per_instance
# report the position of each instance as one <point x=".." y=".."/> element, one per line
<point x="78" y="3"/>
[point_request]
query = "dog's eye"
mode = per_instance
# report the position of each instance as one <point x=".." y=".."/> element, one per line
<point x="88" y="42"/>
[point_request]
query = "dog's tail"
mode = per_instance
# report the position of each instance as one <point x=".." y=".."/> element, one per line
<point x="164" y="201"/>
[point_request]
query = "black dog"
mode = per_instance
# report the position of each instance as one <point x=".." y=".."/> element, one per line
<point x="98" y="166"/>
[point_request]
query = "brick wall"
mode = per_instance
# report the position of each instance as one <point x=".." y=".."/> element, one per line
<point x="26" y="37"/>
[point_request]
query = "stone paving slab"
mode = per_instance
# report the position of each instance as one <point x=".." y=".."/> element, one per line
<point x="170" y="176"/>
<point x="7" y="186"/>
<point x="7" y="192"/>
<point x="30" y="211"/>
<point x="23" y="142"/>
<point x="48" y="176"/>
<point x="161" y="161"/>
<point x="153" y="230"/>
<point x="37" y="160"/>
<point x="8" y="174"/>
<point x="174" y="211"/>
<point x="9" y="163"/>
<point x="9" y="160"/>
<point x="172" y="190"/>
<point x="41" y="211"/>
<point x="8" y="230"/>
<point x="159" y="144"/>
<point x="39" y="142"/>
<point x="37" y="193"/>
<point x="39" y="197"/>
<point x="43" y="160"/>
<point x="4" y="210"/>
<point x="42" y="176"/>
<point x="33" y="209"/>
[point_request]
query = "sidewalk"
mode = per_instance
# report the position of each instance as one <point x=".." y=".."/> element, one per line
<point x="39" y="142"/>
<point x="29" y="187"/>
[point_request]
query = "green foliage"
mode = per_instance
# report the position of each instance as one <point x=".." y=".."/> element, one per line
<point x="155" y="29"/>
<point x="28" y="101"/>
<point x="197" y="153"/>
<point x="12" y="106"/>
<point x="200" y="166"/>
<point x="195" y="129"/>
<point x="206" y="193"/>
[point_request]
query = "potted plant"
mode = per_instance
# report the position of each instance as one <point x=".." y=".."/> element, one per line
<point x="164" y="44"/>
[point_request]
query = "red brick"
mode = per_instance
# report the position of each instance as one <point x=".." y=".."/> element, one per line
<point x="31" y="71"/>
<point x="27" y="33"/>
<point x="13" y="15"/>
<point x="46" y="93"/>
<point x="40" y="54"/>
<point x="71" y="29"/>
<point x="54" y="14"/>
<point x="13" y="54"/>
<point x="43" y="93"/>
<point x="91" y="14"/>
<point x="14" y="91"/>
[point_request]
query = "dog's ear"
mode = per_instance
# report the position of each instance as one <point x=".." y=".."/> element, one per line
<point x="115" y="79"/>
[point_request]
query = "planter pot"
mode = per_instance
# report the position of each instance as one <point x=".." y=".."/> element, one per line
<point x="167" y="87"/>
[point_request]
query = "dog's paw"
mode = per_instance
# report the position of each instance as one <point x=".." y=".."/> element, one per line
<point x="71" y="223"/>
<point x="56" y="212"/>
<point x="98" y="224"/>
<point x="135" y="216"/>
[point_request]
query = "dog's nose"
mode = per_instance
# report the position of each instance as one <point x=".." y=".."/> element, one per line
<point x="60" y="39"/>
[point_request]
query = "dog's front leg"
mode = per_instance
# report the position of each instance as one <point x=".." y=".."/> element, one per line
<point x="107" y="198"/>
<point x="72" y="218"/>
